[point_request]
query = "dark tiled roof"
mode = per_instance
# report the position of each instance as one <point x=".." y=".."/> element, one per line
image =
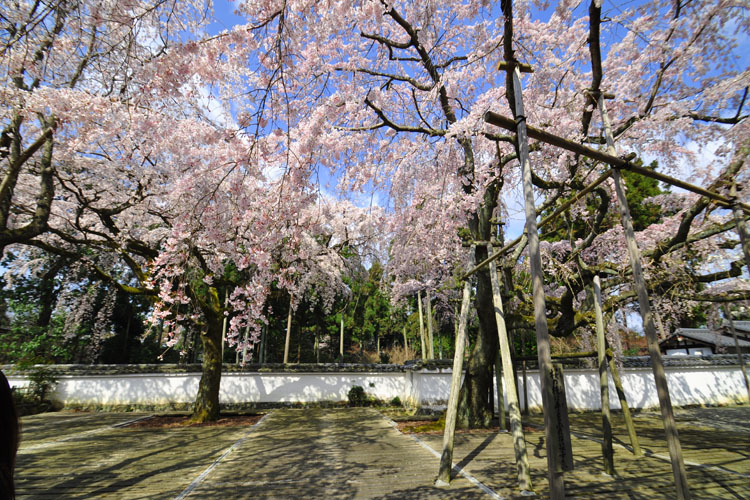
<point x="741" y="326"/>
<point x="708" y="337"/>
<point x="692" y="360"/>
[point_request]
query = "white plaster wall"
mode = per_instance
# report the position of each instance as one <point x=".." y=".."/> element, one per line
<point x="430" y="387"/>
<point x="235" y="387"/>
<point x="687" y="386"/>
<point x="309" y="387"/>
<point x="127" y="389"/>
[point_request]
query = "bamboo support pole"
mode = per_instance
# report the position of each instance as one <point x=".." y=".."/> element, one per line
<point x="657" y="365"/>
<point x="430" y="339"/>
<point x="610" y="159"/>
<point x="601" y="347"/>
<point x="516" y="426"/>
<point x="288" y="331"/>
<point x="446" y="458"/>
<point x="421" y="325"/>
<point x="551" y="424"/>
<point x="737" y="348"/>
<point x="624" y="406"/>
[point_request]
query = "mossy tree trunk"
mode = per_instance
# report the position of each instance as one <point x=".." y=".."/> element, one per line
<point x="206" y="407"/>
<point x="475" y="409"/>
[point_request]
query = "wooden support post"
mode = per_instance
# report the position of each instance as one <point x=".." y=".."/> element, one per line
<point x="516" y="426"/>
<point x="244" y="348"/>
<point x="737" y="348"/>
<point x="525" y="409"/>
<point x="502" y="425"/>
<point x="406" y="344"/>
<point x="660" y="326"/>
<point x="264" y="350"/>
<point x="446" y="458"/>
<point x="455" y="321"/>
<point x="525" y="389"/>
<point x="341" y="339"/>
<point x="316" y="347"/>
<point x="601" y="348"/>
<point x="224" y="326"/>
<point x="742" y="229"/>
<point x="288" y="331"/>
<point x="625" y="407"/>
<point x="421" y="325"/>
<point x="561" y="414"/>
<point x="657" y="365"/>
<point x="263" y="342"/>
<point x="430" y="339"/>
<point x="440" y="345"/>
<point x="551" y="423"/>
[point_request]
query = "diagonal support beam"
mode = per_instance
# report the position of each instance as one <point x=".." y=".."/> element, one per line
<point x="551" y="424"/>
<point x="446" y="457"/>
<point x="608" y="158"/>
<point x="657" y="365"/>
<point x="514" y="410"/>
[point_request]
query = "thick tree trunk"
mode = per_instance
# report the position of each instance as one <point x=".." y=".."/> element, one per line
<point x="206" y="407"/>
<point x="47" y="292"/>
<point x="475" y="409"/>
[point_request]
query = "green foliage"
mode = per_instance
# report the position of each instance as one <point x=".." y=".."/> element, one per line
<point x="64" y="314"/>
<point x="369" y="315"/>
<point x="35" y="398"/>
<point x="643" y="214"/>
<point x="25" y="343"/>
<point x="436" y="426"/>
<point x="396" y="401"/>
<point x="357" y="396"/>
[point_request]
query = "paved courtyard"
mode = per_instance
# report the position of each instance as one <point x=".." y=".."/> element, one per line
<point x="358" y="453"/>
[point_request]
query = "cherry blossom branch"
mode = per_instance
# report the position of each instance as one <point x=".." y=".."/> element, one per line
<point x="392" y="77"/>
<point x="401" y="128"/>
<point x="58" y="250"/>
<point x="700" y="205"/>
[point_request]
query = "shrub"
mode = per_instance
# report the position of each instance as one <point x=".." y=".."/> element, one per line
<point x="357" y="396"/>
<point x="35" y="398"/>
<point x="396" y="401"/>
<point x="43" y="382"/>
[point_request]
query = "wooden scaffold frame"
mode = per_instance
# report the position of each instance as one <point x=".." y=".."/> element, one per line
<point x="557" y="456"/>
